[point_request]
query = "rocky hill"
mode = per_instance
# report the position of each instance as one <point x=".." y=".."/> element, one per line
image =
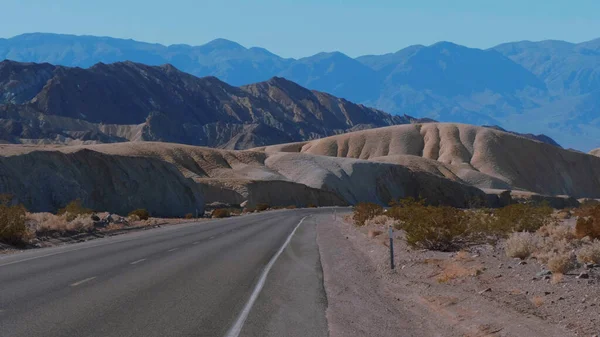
<point x="41" y="103"/>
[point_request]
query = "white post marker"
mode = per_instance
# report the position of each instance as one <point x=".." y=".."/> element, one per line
<point x="391" y="232"/>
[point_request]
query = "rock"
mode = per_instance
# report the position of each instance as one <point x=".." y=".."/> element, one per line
<point x="95" y="217"/>
<point x="583" y="275"/>
<point x="543" y="273"/>
<point x="522" y="263"/>
<point x="244" y="203"/>
<point x="485" y="291"/>
<point x="546" y="277"/>
<point x="590" y="265"/>
<point x="374" y="233"/>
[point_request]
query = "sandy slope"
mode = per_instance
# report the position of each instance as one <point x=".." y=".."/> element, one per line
<point x="482" y="157"/>
<point x="595" y="152"/>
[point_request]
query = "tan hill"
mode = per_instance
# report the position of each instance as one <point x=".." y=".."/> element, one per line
<point x="482" y="157"/>
<point x="595" y="152"/>
<point x="278" y="179"/>
<point x="444" y="163"/>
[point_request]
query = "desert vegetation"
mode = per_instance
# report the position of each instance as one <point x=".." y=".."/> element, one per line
<point x="523" y="230"/>
<point x="12" y="221"/>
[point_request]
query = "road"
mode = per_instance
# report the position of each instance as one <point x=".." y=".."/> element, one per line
<point x="183" y="280"/>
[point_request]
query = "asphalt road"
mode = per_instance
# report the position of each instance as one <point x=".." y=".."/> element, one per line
<point x="184" y="280"/>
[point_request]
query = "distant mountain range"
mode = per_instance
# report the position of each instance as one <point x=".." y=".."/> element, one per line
<point x="550" y="87"/>
<point x="126" y="101"/>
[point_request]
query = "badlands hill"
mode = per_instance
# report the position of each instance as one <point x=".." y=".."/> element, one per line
<point x="445" y="163"/>
<point x="125" y="101"/>
<point x="477" y="156"/>
<point x="595" y="152"/>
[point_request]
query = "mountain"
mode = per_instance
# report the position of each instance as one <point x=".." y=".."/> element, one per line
<point x="225" y="59"/>
<point x="547" y="87"/>
<point x="130" y="101"/>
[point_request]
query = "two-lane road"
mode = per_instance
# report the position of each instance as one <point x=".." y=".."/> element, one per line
<point x="205" y="279"/>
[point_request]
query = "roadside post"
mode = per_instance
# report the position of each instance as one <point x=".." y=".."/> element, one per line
<point x="391" y="232"/>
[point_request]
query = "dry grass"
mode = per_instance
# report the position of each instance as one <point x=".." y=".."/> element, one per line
<point x="557" y="278"/>
<point x="44" y="222"/>
<point x="589" y="253"/>
<point x="380" y="220"/>
<point x="453" y="270"/>
<point x="560" y="263"/>
<point x="538" y="301"/>
<point x="520" y="245"/>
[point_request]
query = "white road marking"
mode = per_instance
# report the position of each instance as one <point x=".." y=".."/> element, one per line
<point x="212" y="237"/>
<point x="172" y="250"/>
<point x="82" y="281"/>
<point x="235" y="330"/>
<point x="195" y="243"/>
<point x="138" y="261"/>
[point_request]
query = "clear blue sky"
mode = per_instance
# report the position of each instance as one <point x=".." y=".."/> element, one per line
<point x="304" y="27"/>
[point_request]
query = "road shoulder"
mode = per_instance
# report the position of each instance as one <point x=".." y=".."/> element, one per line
<point x="367" y="299"/>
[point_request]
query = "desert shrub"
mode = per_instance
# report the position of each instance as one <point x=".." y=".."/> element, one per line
<point x="262" y="207"/>
<point x="588" y="223"/>
<point x="189" y="216"/>
<point x="589" y="253"/>
<point x="520" y="245"/>
<point x="312" y="206"/>
<point x="364" y="211"/>
<point x="291" y="207"/>
<point x="141" y="213"/>
<point x="73" y="210"/>
<point x="560" y="263"/>
<point x="436" y="228"/>
<point x="12" y="222"/>
<point x="221" y="213"/>
<point x="521" y="218"/>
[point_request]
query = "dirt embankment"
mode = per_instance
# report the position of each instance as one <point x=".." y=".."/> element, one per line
<point x="44" y="181"/>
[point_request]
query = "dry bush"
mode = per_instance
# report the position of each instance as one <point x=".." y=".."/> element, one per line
<point x="262" y="207"/>
<point x="133" y="218"/>
<point x="189" y="216"/>
<point x="291" y="207"/>
<point x="12" y="223"/>
<point x="454" y="270"/>
<point x="364" y="211"/>
<point x="560" y="263"/>
<point x="312" y="206"/>
<point x="557" y="278"/>
<point x="141" y="213"/>
<point x="520" y="245"/>
<point x="45" y="222"/>
<point x="221" y="213"/>
<point x="588" y="226"/>
<point x="80" y="224"/>
<point x="589" y="253"/>
<point x="538" y="301"/>
<point x="73" y="210"/>
<point x="380" y="220"/>
<point x="557" y="232"/>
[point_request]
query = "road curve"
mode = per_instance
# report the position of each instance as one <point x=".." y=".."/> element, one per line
<point x="184" y="280"/>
